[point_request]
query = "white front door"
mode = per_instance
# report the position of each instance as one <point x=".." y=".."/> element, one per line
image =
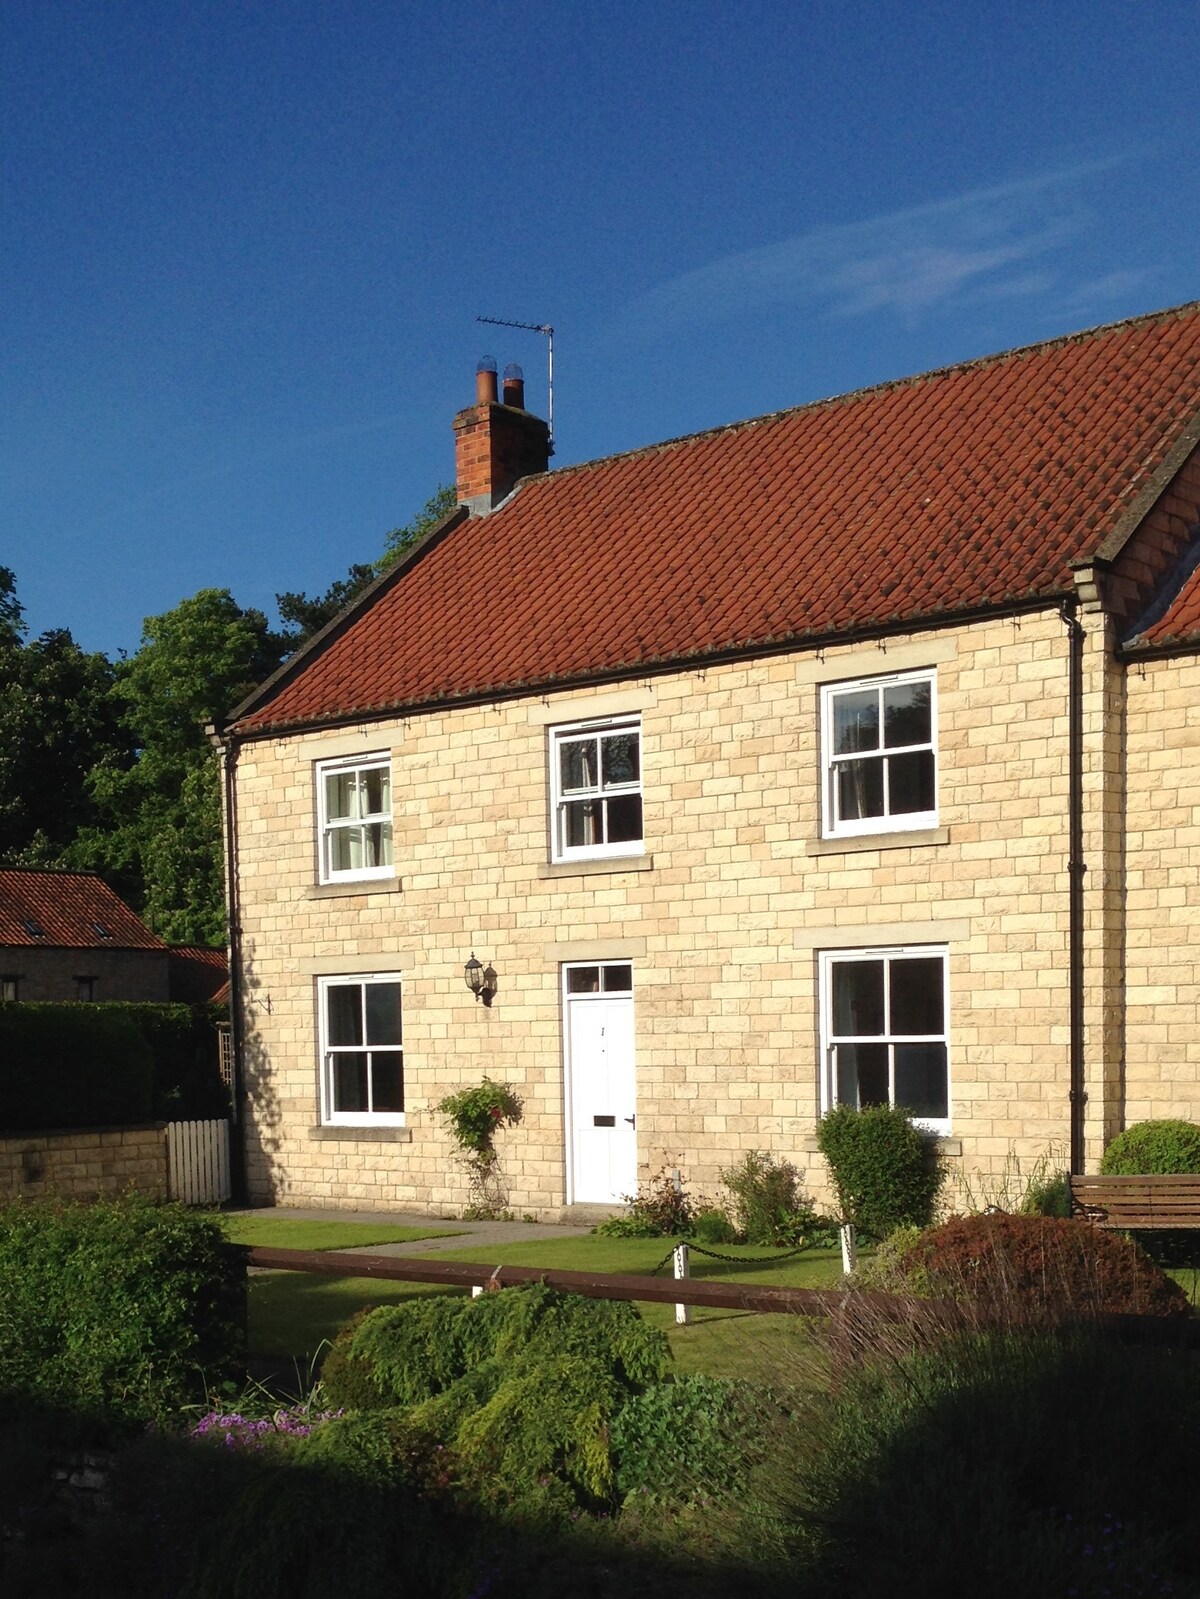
<point x="601" y="1097"/>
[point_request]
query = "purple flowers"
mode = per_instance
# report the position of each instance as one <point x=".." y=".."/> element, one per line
<point x="246" y="1432"/>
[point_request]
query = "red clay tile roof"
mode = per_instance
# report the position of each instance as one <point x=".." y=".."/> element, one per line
<point x="973" y="487"/>
<point x="66" y="910"/>
<point x="196" y="974"/>
<point x="1175" y="619"/>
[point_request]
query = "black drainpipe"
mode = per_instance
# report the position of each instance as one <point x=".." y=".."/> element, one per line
<point x="1075" y="868"/>
<point x="237" y="1154"/>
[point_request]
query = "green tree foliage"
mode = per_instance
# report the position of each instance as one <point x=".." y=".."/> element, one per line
<point x="401" y="539"/>
<point x="57" y="721"/>
<point x="159" y="831"/>
<point x="302" y="615"/>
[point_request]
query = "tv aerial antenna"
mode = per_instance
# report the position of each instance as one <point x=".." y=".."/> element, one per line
<point x="532" y="327"/>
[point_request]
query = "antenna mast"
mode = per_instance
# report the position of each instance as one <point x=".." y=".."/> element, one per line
<point x="532" y="327"/>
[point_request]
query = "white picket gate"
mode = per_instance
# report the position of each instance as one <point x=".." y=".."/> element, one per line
<point x="198" y="1162"/>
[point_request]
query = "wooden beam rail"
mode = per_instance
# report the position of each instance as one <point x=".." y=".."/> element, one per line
<point x="755" y="1297"/>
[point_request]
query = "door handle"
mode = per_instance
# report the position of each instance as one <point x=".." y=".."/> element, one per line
<point x="632" y="1120"/>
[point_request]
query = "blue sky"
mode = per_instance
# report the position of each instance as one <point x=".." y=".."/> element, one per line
<point x="243" y="245"/>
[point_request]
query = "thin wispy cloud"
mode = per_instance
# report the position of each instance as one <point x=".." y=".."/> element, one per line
<point x="1003" y="241"/>
<point x="242" y="460"/>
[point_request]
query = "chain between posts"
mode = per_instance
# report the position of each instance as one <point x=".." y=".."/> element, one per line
<point x="734" y="1260"/>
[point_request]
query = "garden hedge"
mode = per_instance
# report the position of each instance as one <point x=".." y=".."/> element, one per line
<point x="104" y="1065"/>
<point x="122" y="1310"/>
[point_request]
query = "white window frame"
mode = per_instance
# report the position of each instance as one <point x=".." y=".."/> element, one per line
<point x="328" y="1052"/>
<point x="560" y="798"/>
<point x="328" y="826"/>
<point x="834" y="826"/>
<point x="829" y="1040"/>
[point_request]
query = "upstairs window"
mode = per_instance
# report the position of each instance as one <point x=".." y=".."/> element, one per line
<point x="880" y="754"/>
<point x="884" y="1019"/>
<point x="354" y="802"/>
<point x="362" y="1050"/>
<point x="596" y="788"/>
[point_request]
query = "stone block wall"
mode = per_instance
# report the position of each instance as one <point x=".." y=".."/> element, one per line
<point x="1162" y="871"/>
<point x="84" y="1163"/>
<point x="723" y="918"/>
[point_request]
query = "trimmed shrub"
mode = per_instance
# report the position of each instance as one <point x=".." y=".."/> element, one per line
<point x="122" y="1310"/>
<point x="1164" y="1147"/>
<point x="1015" y="1267"/>
<point x="183" y="1048"/>
<point x="886" y="1172"/>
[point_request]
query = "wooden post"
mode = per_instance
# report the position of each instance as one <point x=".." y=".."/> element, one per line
<point x="683" y="1313"/>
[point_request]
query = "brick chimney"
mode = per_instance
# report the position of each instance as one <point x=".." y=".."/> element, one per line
<point x="497" y="443"/>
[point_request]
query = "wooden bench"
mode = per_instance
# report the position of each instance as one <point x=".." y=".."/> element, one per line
<point x="1133" y="1203"/>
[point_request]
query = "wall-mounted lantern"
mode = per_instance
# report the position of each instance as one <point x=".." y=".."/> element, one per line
<point x="481" y="980"/>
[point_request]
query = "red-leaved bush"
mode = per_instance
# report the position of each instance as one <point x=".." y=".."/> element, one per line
<point x="1018" y="1267"/>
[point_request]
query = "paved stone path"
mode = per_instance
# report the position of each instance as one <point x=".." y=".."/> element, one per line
<point x="465" y="1233"/>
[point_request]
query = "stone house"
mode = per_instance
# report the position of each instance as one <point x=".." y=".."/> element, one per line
<point x="68" y="936"/>
<point x="842" y="754"/>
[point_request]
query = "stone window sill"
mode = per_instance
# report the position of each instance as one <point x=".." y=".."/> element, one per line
<point x="373" y="885"/>
<point x="609" y="864"/>
<point x="361" y="1135"/>
<point x="874" y="841"/>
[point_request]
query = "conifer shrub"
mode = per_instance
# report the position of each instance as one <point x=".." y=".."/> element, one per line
<point x="1018" y="1268"/>
<point x="407" y="1353"/>
<point x="885" y="1172"/>
<point x="522" y="1385"/>
<point x="541" y="1439"/>
<point x="1161" y="1147"/>
<point x="122" y="1310"/>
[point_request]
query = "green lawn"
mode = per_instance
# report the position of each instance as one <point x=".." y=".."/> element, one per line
<point x="292" y="1313"/>
<point x="286" y="1232"/>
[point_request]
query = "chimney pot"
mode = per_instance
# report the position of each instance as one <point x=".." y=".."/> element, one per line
<point x="485" y="382"/>
<point x="514" y="386"/>
<point x="497" y="445"/>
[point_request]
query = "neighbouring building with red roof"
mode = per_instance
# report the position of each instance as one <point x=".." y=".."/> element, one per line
<point x="68" y="936"/>
<point x="845" y="754"/>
